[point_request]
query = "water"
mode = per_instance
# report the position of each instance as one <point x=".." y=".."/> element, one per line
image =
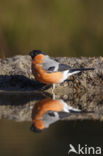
<point x="16" y="137"/>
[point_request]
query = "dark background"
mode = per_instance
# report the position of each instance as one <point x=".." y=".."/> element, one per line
<point x="61" y="28"/>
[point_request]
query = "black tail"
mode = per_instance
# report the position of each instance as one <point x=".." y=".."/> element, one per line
<point x="80" y="69"/>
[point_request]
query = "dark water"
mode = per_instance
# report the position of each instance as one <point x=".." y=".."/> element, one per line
<point x="16" y="138"/>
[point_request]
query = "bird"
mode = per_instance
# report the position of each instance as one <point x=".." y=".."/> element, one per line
<point x="47" y="111"/>
<point x="49" y="71"/>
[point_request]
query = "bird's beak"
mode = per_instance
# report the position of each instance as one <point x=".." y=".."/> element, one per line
<point x="31" y="54"/>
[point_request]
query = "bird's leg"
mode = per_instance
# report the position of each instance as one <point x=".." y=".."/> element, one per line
<point x="45" y="87"/>
<point x="53" y="97"/>
<point x="53" y="87"/>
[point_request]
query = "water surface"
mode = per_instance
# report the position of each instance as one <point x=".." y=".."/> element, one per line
<point x="17" y="139"/>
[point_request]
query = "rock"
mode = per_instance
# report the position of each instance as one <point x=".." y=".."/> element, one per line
<point x="15" y="73"/>
<point x="19" y="91"/>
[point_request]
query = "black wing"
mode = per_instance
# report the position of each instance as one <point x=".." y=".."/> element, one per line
<point x="51" y="69"/>
<point x="63" y="114"/>
<point x="63" y="67"/>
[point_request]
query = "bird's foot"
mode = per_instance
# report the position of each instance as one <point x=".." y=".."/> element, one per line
<point x="45" y="87"/>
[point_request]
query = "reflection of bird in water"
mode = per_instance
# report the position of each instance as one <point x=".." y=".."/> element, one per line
<point x="49" y="71"/>
<point x="48" y="111"/>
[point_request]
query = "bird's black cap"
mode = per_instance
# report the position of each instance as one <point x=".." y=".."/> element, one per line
<point x="34" y="53"/>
